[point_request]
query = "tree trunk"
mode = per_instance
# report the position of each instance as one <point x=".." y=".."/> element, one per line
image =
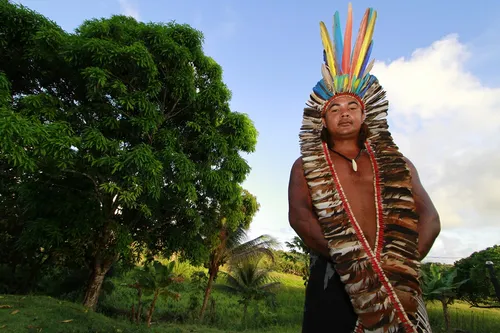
<point x="95" y="282"/>
<point x="447" y="321"/>
<point x="152" y="308"/>
<point x="494" y="281"/>
<point x="139" y="305"/>
<point x="208" y="290"/>
<point x="132" y="313"/>
<point x="245" y="308"/>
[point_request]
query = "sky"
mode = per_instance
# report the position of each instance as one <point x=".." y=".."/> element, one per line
<point x="438" y="61"/>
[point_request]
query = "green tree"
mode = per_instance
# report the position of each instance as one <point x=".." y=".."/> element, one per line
<point x="439" y="285"/>
<point x="299" y="253"/>
<point x="478" y="290"/>
<point x="157" y="280"/>
<point x="230" y="246"/>
<point x="494" y="280"/>
<point x="251" y="282"/>
<point x="120" y="135"/>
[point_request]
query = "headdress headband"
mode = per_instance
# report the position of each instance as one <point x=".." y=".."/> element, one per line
<point x="346" y="69"/>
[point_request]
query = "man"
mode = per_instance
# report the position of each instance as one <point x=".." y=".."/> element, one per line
<point x="357" y="202"/>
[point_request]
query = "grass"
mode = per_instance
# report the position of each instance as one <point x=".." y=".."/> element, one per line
<point x="464" y="317"/>
<point x="45" y="314"/>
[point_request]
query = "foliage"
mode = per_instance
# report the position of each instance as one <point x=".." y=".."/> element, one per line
<point x="439" y="285"/>
<point x="116" y="137"/>
<point x="299" y="252"/>
<point x="155" y="279"/>
<point x="233" y="250"/>
<point x="228" y="241"/>
<point x="478" y="289"/>
<point x="250" y="282"/>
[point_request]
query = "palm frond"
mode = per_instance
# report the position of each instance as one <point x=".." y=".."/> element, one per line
<point x="271" y="286"/>
<point x="226" y="288"/>
<point x="236" y="237"/>
<point x="262" y="245"/>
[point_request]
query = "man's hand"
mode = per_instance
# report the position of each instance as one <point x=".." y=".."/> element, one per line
<point x="300" y="212"/>
<point x="429" y="225"/>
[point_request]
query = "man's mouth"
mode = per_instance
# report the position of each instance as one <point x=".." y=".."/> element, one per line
<point x="345" y="123"/>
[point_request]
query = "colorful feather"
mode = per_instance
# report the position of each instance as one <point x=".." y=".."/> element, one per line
<point x="328" y="47"/>
<point x="359" y="41"/>
<point x="371" y="80"/>
<point x="366" y="58"/>
<point x="366" y="41"/>
<point x="347" y="68"/>
<point x="322" y="91"/>
<point x="337" y="36"/>
<point x="346" y="56"/>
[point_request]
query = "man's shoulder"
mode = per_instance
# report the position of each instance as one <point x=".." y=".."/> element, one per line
<point x="297" y="168"/>
<point x="409" y="163"/>
<point x="297" y="163"/>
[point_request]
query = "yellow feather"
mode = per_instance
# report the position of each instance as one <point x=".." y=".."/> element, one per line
<point x="346" y="82"/>
<point x="366" y="42"/>
<point x="327" y="45"/>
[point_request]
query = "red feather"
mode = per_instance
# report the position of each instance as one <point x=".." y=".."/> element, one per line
<point x="346" y="57"/>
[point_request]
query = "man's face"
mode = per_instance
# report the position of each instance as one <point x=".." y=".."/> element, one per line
<point x="344" y="117"/>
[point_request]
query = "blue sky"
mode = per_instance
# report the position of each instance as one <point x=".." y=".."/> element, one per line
<point x="271" y="55"/>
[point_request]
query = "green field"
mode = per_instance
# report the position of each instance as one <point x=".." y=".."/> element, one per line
<point x="46" y="314"/>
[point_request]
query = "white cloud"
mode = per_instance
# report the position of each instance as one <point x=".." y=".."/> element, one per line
<point x="129" y="8"/>
<point x="448" y="123"/>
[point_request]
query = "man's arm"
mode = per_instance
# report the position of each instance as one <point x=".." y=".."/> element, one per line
<point x="429" y="225"/>
<point x="300" y="212"/>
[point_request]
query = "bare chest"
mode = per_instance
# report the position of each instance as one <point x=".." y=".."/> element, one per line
<point x="358" y="188"/>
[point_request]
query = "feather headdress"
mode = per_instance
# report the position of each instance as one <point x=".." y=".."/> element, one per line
<point x="346" y="68"/>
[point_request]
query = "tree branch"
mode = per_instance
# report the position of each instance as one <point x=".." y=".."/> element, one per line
<point x="171" y="113"/>
<point x="96" y="186"/>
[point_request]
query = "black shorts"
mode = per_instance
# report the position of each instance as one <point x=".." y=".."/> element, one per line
<point x="327" y="305"/>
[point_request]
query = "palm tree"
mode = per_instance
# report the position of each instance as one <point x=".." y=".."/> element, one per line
<point x="232" y="249"/>
<point x="156" y="279"/>
<point x="439" y="285"/>
<point x="249" y="281"/>
<point x="299" y="252"/>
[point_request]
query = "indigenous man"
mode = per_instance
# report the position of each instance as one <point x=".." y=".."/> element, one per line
<point x="357" y="202"/>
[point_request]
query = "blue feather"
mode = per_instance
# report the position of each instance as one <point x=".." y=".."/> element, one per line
<point x="360" y="85"/>
<point x="339" y="44"/>
<point x="365" y="61"/>
<point x="371" y="80"/>
<point x="321" y="90"/>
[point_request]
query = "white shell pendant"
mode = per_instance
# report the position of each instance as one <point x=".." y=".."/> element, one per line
<point x="354" y="166"/>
